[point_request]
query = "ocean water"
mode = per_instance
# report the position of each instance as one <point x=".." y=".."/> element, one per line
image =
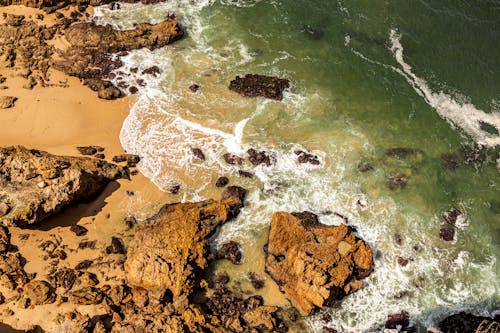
<point x="367" y="76"/>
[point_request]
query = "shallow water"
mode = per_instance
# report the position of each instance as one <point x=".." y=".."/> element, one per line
<point x="366" y="76"/>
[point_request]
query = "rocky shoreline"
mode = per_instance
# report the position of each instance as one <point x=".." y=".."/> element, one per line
<point x="152" y="276"/>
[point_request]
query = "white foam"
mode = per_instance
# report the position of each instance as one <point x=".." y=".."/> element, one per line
<point x="464" y="115"/>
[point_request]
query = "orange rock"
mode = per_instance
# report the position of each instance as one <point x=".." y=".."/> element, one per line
<point x="315" y="264"/>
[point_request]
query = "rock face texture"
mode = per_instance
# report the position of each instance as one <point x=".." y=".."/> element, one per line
<point x="315" y="264"/>
<point x="90" y="55"/>
<point x="35" y="184"/>
<point x="169" y="252"/>
<point x="467" y="323"/>
<point x="254" y="85"/>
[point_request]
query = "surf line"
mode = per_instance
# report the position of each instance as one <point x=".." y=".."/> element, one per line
<point x="465" y="116"/>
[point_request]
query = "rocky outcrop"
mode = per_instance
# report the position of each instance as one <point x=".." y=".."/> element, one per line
<point x="315" y="264"/>
<point x="169" y="252"/>
<point x="254" y="85"/>
<point x="90" y="56"/>
<point x="35" y="184"/>
<point x="467" y="323"/>
<point x="23" y="45"/>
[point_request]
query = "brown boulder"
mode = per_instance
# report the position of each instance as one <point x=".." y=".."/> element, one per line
<point x="66" y="181"/>
<point x="315" y="264"/>
<point x="169" y="252"/>
<point x="39" y="292"/>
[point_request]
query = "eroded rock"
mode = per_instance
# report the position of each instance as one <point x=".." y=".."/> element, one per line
<point x="67" y="181"/>
<point x="39" y="292"/>
<point x="169" y="251"/>
<point x="315" y="264"/>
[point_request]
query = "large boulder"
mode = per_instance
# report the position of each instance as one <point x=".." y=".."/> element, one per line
<point x="169" y="252"/>
<point x="315" y="264"/>
<point x="254" y="85"/>
<point x="36" y="184"/>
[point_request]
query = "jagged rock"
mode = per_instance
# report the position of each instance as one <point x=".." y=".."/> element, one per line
<point x="7" y="102"/>
<point x="398" y="319"/>
<point x="131" y="159"/>
<point x="86" y="296"/>
<point x="197" y="152"/>
<point x="109" y="93"/>
<point x="89" y="150"/>
<point x="84" y="264"/>
<point x="63" y="277"/>
<point x="232" y="159"/>
<point x="468" y="323"/>
<point x="14" y="20"/>
<point x="154" y="70"/>
<point x="230" y="307"/>
<point x="194" y="87"/>
<point x="68" y="180"/>
<point x="90" y="55"/>
<point x="116" y="246"/>
<point x="78" y="230"/>
<point x="447" y="231"/>
<point x="169" y="251"/>
<point x="39" y="292"/>
<point x="85" y="279"/>
<point x="245" y="174"/>
<point x="312" y="263"/>
<point x="305" y="157"/>
<point x="119" y="294"/>
<point x="230" y="251"/>
<point x="260" y="157"/>
<point x="221" y="182"/>
<point x="254" y="85"/>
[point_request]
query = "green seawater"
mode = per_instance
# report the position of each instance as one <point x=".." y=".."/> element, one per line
<point x="352" y="99"/>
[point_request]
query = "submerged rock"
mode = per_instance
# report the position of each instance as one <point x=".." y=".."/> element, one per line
<point x="447" y="230"/>
<point x="468" y="323"/>
<point x="254" y="85"/>
<point x="170" y="250"/>
<point x="232" y="159"/>
<point x="67" y="181"/>
<point x="315" y="264"/>
<point x="230" y="251"/>
<point x="305" y="157"/>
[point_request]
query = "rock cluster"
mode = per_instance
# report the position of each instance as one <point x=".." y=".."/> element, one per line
<point x="35" y="184"/>
<point x="315" y="264"/>
<point x="90" y="56"/>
